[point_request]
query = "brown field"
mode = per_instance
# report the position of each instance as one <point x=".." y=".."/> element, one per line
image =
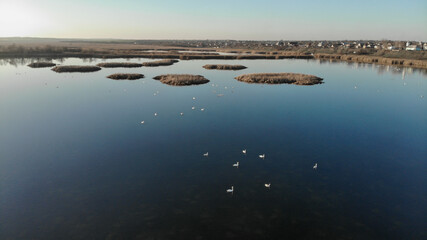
<point x="74" y="68"/>
<point x="280" y="78"/>
<point x="119" y="65"/>
<point x="181" y="79"/>
<point x="126" y="76"/>
<point x="224" y="67"/>
<point x="165" y="62"/>
<point x="41" y="64"/>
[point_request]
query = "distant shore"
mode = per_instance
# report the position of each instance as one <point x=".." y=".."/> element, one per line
<point x="109" y="51"/>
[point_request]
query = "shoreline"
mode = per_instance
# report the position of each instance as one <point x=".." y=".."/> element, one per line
<point x="238" y="55"/>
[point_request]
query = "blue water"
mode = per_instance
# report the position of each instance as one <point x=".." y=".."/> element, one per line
<point x="76" y="163"/>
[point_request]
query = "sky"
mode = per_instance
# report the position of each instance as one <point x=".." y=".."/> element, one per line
<point x="201" y="19"/>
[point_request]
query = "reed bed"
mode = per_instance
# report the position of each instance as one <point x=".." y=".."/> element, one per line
<point x="126" y="76"/>
<point x="280" y="78"/>
<point x="224" y="67"/>
<point x="119" y="65"/>
<point x="75" y="68"/>
<point x="181" y="79"/>
<point x="41" y="64"/>
<point x="165" y="62"/>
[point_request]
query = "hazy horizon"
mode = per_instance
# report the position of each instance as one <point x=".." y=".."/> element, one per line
<point x="220" y="20"/>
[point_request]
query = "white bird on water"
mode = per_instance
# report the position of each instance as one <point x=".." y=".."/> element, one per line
<point x="182" y="114"/>
<point x="206" y="154"/>
<point x="202" y="109"/>
<point x="155" y="114"/>
<point x="142" y="122"/>
<point x="262" y="156"/>
<point x="236" y="165"/>
<point x="267" y="185"/>
<point x="194" y="98"/>
<point x="244" y="151"/>
<point x="192" y="108"/>
<point x="315" y="166"/>
<point x="231" y="190"/>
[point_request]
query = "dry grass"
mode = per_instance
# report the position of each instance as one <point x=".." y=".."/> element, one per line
<point x="280" y="78"/>
<point x="126" y="76"/>
<point x="224" y="67"/>
<point x="119" y="65"/>
<point x="41" y="64"/>
<point x="75" y="68"/>
<point x="181" y="79"/>
<point x="165" y="62"/>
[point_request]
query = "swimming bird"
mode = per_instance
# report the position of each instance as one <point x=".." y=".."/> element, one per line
<point x="244" y="151"/>
<point x="315" y="166"/>
<point x="231" y="190"/>
<point x="192" y="108"/>
<point x="194" y="98"/>
<point x="142" y="122"/>
<point x="202" y="109"/>
<point x="236" y="165"/>
<point x="155" y="114"/>
<point x="262" y="156"/>
<point x="182" y="113"/>
<point x="206" y="154"/>
<point x="267" y="185"/>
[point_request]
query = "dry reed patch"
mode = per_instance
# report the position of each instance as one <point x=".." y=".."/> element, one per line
<point x="75" y="68"/>
<point x="280" y="78"/>
<point x="224" y="67"/>
<point x="126" y="76"/>
<point x="181" y="79"/>
<point x="165" y="62"/>
<point x="119" y="65"/>
<point x="41" y="64"/>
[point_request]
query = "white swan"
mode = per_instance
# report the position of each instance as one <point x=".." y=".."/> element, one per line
<point x="202" y="109"/>
<point x="267" y="185"/>
<point x="231" y="189"/>
<point x="236" y="165"/>
<point x="244" y="151"/>
<point x="192" y="108"/>
<point x="155" y="114"/>
<point x="194" y="98"/>
<point x="206" y="154"/>
<point x="142" y="122"/>
<point x="262" y="156"/>
<point x="315" y="166"/>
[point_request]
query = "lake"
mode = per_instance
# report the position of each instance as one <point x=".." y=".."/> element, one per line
<point x="76" y="162"/>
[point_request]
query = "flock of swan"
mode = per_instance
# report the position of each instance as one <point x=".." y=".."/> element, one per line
<point x="237" y="164"/>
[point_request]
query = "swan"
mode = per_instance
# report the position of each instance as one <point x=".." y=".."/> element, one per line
<point x="155" y="114"/>
<point x="315" y="166"/>
<point x="142" y="122"/>
<point x="236" y="165"/>
<point x="192" y="108"/>
<point x="202" y="109"/>
<point x="206" y="154"/>
<point x="262" y="156"/>
<point x="194" y="98"/>
<point x="267" y="185"/>
<point x="244" y="151"/>
<point x="231" y="189"/>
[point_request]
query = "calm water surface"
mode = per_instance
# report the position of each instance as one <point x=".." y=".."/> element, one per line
<point x="76" y="163"/>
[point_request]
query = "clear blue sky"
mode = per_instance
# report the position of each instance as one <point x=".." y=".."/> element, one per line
<point x="232" y="19"/>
